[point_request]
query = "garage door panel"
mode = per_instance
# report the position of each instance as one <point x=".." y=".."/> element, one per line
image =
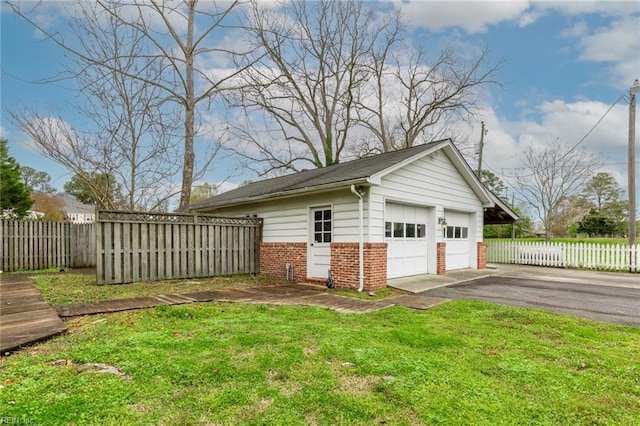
<point x="406" y="240"/>
<point x="457" y="239"/>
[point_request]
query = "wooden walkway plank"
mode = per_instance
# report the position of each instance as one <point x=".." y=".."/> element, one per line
<point x="24" y="315"/>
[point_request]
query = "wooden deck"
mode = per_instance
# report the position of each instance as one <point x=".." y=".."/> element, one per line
<point x="24" y="316"/>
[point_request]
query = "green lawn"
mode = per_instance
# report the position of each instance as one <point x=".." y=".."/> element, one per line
<point x="599" y="241"/>
<point x="460" y="363"/>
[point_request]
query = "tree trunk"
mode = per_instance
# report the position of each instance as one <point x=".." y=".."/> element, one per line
<point x="189" y="156"/>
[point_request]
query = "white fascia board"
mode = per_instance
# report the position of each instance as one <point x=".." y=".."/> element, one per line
<point x="498" y="202"/>
<point x="469" y="176"/>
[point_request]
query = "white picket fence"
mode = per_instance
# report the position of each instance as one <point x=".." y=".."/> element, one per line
<point x="614" y="257"/>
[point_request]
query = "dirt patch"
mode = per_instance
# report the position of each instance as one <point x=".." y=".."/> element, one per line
<point x="358" y="385"/>
<point x="282" y="382"/>
<point x="309" y="351"/>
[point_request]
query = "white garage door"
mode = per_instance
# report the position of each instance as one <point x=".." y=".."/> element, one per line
<point x="458" y="240"/>
<point x="405" y="234"/>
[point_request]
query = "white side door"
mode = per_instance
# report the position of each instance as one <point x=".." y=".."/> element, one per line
<point x="319" y="246"/>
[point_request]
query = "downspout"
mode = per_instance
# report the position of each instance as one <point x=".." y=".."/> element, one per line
<point x="361" y="242"/>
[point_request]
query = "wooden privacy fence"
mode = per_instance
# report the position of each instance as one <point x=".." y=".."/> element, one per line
<point x="613" y="257"/>
<point x="31" y="245"/>
<point x="135" y="246"/>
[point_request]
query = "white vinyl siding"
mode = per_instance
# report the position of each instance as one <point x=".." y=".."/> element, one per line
<point x="431" y="181"/>
<point x="287" y="220"/>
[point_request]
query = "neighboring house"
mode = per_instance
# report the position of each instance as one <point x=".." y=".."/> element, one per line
<point x="76" y="212"/>
<point x="415" y="211"/>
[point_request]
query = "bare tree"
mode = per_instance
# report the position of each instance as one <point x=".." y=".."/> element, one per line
<point x="417" y="99"/>
<point x="297" y="105"/>
<point x="132" y="127"/>
<point x="551" y="173"/>
<point x="70" y="148"/>
<point x="173" y="44"/>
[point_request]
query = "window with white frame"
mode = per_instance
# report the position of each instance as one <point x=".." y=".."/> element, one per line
<point x="404" y="230"/>
<point x="457" y="232"/>
<point x="322" y="226"/>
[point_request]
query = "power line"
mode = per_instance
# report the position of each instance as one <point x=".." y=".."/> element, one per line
<point x="596" y="125"/>
<point x="580" y="141"/>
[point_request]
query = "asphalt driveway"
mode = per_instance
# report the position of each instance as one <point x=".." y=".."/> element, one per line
<point x="611" y="297"/>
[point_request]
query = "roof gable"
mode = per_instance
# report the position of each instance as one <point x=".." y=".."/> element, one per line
<point x="369" y="170"/>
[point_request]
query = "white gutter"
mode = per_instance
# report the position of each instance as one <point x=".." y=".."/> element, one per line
<point x="361" y="242"/>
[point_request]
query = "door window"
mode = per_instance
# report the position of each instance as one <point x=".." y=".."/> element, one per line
<point x="322" y="226"/>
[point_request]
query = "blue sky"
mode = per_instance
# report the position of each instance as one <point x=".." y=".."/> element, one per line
<point x="566" y="64"/>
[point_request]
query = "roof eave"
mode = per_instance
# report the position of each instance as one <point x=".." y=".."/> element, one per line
<point x="498" y="202"/>
<point x="285" y="194"/>
<point x="469" y="176"/>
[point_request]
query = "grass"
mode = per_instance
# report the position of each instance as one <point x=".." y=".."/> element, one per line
<point x="462" y="362"/>
<point x="62" y="288"/>
<point x="599" y="241"/>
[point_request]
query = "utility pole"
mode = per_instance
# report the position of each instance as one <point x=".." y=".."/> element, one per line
<point x="632" y="162"/>
<point x="482" y="133"/>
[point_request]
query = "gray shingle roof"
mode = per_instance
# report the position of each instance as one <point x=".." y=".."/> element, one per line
<point x="343" y="172"/>
<point x="71" y="205"/>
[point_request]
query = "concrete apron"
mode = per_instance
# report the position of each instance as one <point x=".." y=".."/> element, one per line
<point x="420" y="283"/>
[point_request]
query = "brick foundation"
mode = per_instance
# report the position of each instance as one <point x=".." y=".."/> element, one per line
<point x="345" y="268"/>
<point x="375" y="266"/>
<point x="275" y="256"/>
<point x="482" y="255"/>
<point x="441" y="254"/>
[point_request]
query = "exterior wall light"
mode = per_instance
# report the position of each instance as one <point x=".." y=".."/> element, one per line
<point x="442" y="221"/>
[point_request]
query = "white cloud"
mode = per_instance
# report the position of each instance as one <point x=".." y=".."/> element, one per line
<point x="617" y="44"/>
<point x="602" y="7"/>
<point x="472" y="16"/>
<point x="579" y="29"/>
<point x="567" y="121"/>
<point x="226" y="186"/>
<point x="475" y="16"/>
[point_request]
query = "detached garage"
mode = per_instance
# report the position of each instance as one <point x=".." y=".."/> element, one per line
<point x="415" y="211"/>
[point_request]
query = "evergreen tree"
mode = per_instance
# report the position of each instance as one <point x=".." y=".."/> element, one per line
<point x="37" y="181"/>
<point x="202" y="192"/>
<point x="608" y="212"/>
<point x="99" y="189"/>
<point x="15" y="198"/>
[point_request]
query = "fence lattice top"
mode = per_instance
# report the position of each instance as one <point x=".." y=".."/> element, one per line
<point x="154" y="217"/>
